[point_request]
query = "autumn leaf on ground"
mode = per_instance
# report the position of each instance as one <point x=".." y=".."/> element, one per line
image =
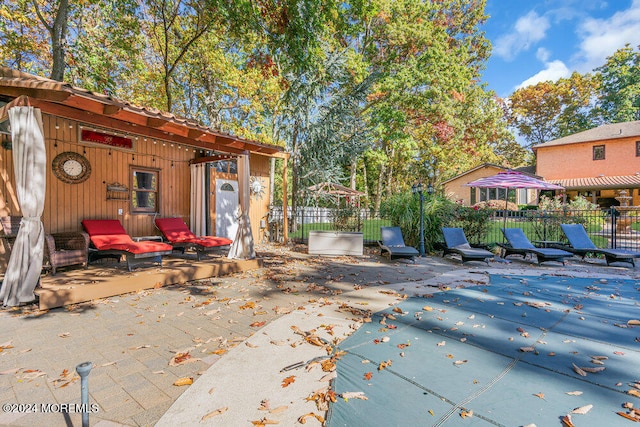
<point x="279" y="409"/>
<point x="582" y="410"/>
<point x="258" y="324"/>
<point x="214" y="413"/>
<point x="219" y="351"/>
<point x="264" y="422"/>
<point x="634" y="392"/>
<point x="289" y="380"/>
<point x="303" y="418"/>
<point x="354" y="395"/>
<point x="574" y="393"/>
<point x="578" y="370"/>
<point x="368" y="376"/>
<point x="183" y="381"/>
<point x="65" y="335"/>
<point x="540" y="395"/>
<point x="384" y="365"/>
<point x="248" y="305"/>
<point x="264" y="405"/>
<point x="466" y="414"/>
<point x="182" y="358"/>
<point x="566" y="421"/>
<point x="459" y="362"/>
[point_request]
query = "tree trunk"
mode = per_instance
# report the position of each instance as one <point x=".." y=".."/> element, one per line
<point x="295" y="177"/>
<point x="390" y="172"/>
<point x="366" y="185"/>
<point x="379" y="190"/>
<point x="354" y="170"/>
<point x="58" y="33"/>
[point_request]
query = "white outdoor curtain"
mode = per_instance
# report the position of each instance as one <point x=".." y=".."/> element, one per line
<point x="198" y="215"/>
<point x="242" y="246"/>
<point x="30" y="163"/>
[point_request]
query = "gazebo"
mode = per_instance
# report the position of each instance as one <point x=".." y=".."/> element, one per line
<point x="337" y="192"/>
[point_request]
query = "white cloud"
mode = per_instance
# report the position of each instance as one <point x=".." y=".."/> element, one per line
<point x="543" y="54"/>
<point x="554" y="70"/>
<point x="602" y="37"/>
<point x="528" y="30"/>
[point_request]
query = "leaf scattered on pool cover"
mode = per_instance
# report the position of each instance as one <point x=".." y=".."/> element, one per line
<point x="368" y="376"/>
<point x="540" y="395"/>
<point x="582" y="410"/>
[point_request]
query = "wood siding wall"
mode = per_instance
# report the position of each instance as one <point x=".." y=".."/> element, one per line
<point x="66" y="205"/>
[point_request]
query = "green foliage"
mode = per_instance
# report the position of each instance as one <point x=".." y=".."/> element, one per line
<point x="552" y="212"/>
<point x="619" y="99"/>
<point x="403" y="210"/>
<point x="474" y="221"/>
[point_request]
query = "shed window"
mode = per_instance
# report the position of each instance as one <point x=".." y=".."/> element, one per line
<point x="598" y="152"/>
<point x="473" y="196"/>
<point x="144" y="190"/>
<point x="637" y="148"/>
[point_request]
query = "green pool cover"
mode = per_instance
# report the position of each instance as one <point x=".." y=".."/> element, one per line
<point x="502" y="354"/>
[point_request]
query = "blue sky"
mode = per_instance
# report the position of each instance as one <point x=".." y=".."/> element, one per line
<point x="538" y="40"/>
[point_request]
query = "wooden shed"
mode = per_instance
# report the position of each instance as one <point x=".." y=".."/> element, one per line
<point x="99" y="149"/>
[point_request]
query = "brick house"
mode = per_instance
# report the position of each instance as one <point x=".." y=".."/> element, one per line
<point x="598" y="163"/>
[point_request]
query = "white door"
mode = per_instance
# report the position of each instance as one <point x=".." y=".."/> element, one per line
<point x="226" y="208"/>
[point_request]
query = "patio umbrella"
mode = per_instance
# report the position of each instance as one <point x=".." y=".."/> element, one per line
<point x="512" y="180"/>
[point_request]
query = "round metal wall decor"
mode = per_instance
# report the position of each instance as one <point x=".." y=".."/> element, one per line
<point x="70" y="167"/>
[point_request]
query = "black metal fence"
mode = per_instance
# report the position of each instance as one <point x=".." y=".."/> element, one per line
<point x="612" y="228"/>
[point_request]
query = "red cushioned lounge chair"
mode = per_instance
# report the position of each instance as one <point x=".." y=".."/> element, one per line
<point x="177" y="233"/>
<point x="109" y="239"/>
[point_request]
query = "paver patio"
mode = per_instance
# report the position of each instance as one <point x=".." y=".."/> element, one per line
<point x="130" y="339"/>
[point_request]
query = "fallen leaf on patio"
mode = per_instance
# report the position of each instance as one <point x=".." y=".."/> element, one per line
<point x="279" y="409"/>
<point x="540" y="395"/>
<point x="385" y="339"/>
<point x="527" y="349"/>
<point x="65" y="335"/>
<point x="574" y="393"/>
<point x="634" y="392"/>
<point x="401" y="346"/>
<point x="578" y="370"/>
<point x="214" y="413"/>
<point x="582" y="410"/>
<point x="182" y="358"/>
<point x="265" y="405"/>
<point x="330" y="376"/>
<point x="368" y="376"/>
<point x="289" y="380"/>
<point x="258" y="324"/>
<point x="459" y="362"/>
<point x="263" y="422"/>
<point x="183" y="381"/>
<point x="633" y="322"/>
<point x="248" y="305"/>
<point x="158" y="285"/>
<point x="140" y="347"/>
<point x="466" y="414"/>
<point x="397" y="310"/>
<point x="566" y="421"/>
<point x="10" y="371"/>
<point x="441" y="343"/>
<point x="619" y="353"/>
<point x="328" y="365"/>
<point x="248" y="344"/>
<point x="303" y="418"/>
<point x="427" y="308"/>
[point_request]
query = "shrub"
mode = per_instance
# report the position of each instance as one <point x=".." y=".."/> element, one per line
<point x="497" y="205"/>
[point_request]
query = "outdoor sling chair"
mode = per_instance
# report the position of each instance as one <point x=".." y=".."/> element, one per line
<point x="581" y="244"/>
<point x="519" y="244"/>
<point x="177" y="233"/>
<point x="110" y="240"/>
<point x="392" y="244"/>
<point x="455" y="242"/>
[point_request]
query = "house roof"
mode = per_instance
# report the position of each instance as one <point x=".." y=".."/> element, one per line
<point x="527" y="170"/>
<point x="601" y="133"/>
<point x="64" y="100"/>
<point x="599" y="182"/>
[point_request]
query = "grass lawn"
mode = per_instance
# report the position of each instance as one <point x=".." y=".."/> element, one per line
<point x="370" y="229"/>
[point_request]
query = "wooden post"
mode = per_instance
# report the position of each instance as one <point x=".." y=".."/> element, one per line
<point x="285" y="207"/>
